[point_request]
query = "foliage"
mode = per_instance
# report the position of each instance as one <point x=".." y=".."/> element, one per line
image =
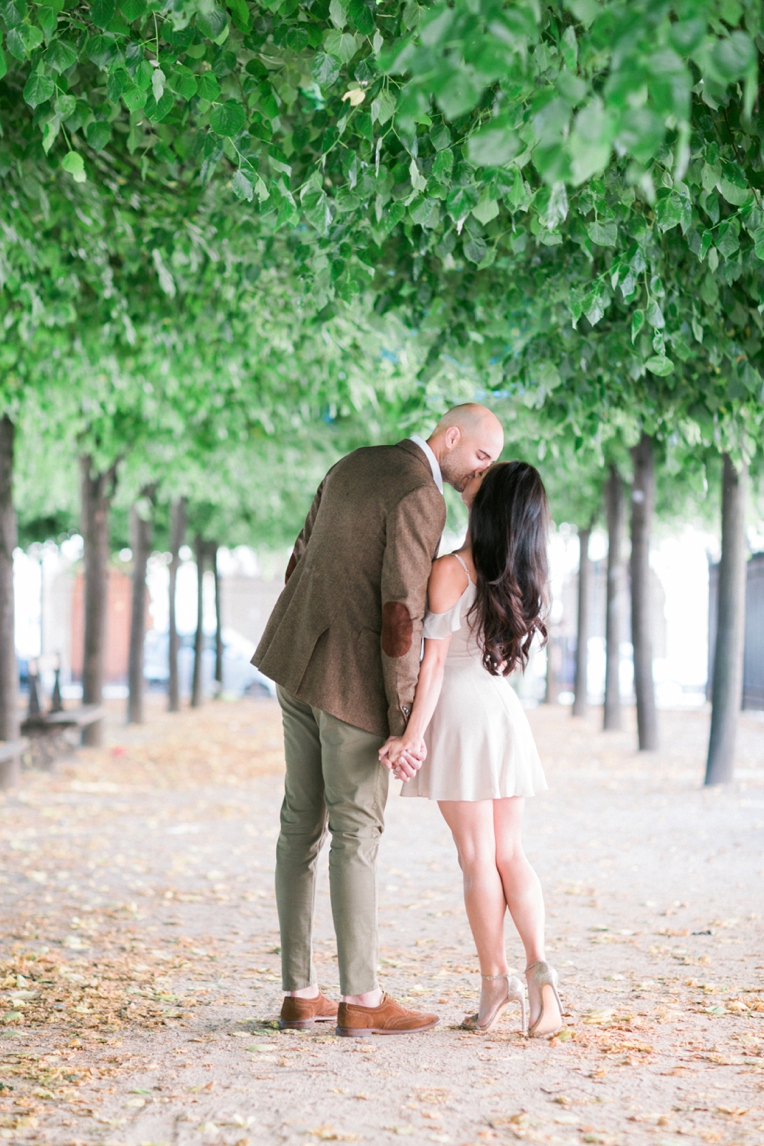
<point x="561" y="201"/>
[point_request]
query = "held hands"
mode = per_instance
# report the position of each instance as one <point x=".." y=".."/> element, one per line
<point x="403" y="755"/>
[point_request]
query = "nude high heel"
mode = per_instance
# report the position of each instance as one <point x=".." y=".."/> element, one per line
<point x="515" y="994"/>
<point x="543" y="978"/>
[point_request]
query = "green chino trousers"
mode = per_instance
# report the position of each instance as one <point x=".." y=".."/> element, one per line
<point x="333" y="780"/>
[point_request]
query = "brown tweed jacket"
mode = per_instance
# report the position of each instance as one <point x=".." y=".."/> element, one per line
<point x="345" y="635"/>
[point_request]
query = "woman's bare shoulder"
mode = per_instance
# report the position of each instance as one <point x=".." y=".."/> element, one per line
<point x="446" y="585"/>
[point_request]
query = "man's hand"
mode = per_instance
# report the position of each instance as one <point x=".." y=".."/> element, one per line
<point x="403" y="755"/>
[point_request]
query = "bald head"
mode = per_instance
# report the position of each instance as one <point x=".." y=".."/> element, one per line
<point x="466" y="441"/>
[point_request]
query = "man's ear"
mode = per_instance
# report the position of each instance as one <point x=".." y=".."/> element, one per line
<point x="453" y="436"/>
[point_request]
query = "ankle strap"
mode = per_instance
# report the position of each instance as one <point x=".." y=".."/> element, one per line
<point x="505" y="975"/>
<point x="538" y="963"/>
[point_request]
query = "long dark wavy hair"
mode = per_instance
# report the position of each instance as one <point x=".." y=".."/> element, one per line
<point x="509" y="524"/>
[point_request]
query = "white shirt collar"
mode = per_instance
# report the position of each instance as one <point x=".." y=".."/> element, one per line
<point x="434" y="466"/>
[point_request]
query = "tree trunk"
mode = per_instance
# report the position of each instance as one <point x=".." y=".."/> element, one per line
<point x="727" y="688"/>
<point x="553" y="667"/>
<point x="613" y="622"/>
<point x="97" y="491"/>
<point x="642" y="506"/>
<point x="177" y="534"/>
<point x="140" y="541"/>
<point x="9" y="677"/>
<point x="218" y="622"/>
<point x="582" y="629"/>
<point x="196" y="690"/>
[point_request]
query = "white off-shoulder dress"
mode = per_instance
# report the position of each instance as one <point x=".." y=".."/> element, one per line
<point x="479" y="743"/>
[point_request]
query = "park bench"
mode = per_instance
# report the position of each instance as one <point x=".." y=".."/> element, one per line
<point x="10" y="761"/>
<point x="48" y="731"/>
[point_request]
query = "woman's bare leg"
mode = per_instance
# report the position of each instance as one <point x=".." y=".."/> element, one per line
<point x="522" y="889"/>
<point x="472" y="826"/>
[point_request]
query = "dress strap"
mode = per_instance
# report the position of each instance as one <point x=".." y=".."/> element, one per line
<point x="463" y="564"/>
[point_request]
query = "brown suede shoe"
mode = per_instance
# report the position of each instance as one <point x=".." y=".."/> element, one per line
<point x="297" y="1014"/>
<point x="389" y="1018"/>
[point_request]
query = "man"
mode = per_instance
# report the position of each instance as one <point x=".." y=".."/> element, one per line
<point x="343" y="645"/>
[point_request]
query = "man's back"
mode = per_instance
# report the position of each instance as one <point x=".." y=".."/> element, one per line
<point x="346" y="631"/>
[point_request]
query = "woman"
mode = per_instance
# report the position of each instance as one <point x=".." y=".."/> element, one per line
<point x="485" y="605"/>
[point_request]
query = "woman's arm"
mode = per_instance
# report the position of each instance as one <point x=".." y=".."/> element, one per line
<point x="407" y="752"/>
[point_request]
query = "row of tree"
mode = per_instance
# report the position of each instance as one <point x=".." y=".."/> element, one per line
<point x="207" y="209"/>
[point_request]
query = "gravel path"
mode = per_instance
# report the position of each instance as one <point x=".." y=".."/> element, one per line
<point x="139" y="952"/>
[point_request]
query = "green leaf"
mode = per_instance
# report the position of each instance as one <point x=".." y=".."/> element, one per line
<point x="383" y="107"/>
<point x="60" y="56"/>
<point x="31" y="37"/>
<point x="142" y="75"/>
<point x="585" y="11"/>
<point x="493" y="145"/>
<point x="461" y="201"/>
<point x="157" y="84"/>
<point x="687" y="35"/>
<point x="486" y="210"/>
<point x="362" y="17"/>
<point x="418" y="181"/>
<point x="50" y="132"/>
<point x="267" y="100"/>
<point x="660" y="365"/>
<point x="733" y="57"/>
<point x="734" y="185"/>
<point x="16" y="44"/>
<point x="183" y="81"/>
<point x="337" y="14"/>
<point x="134" y="97"/>
<point x="98" y="134"/>
<point x="603" y="232"/>
<point x="341" y="45"/>
<point x="425" y="212"/>
<point x="132" y="9"/>
<point x="325" y="70"/>
<point x="156" y="110"/>
<point x="38" y="89"/>
<point x="444" y="162"/>
<point x="593" y="307"/>
<point x="475" y="249"/>
<point x="73" y="163"/>
<point x="228" y="119"/>
<point x="457" y="92"/>
<point x="3" y="64"/>
<point x="242" y="188"/>
<point x="101" y="13"/>
<point x="727" y="241"/>
<point x="590" y="141"/>
<point x="654" y="315"/>
<point x="101" y="50"/>
<point x="637" y="322"/>
<point x="240" y="14"/>
<point x="117" y="82"/>
<point x="13" y="13"/>
<point x="64" y="105"/>
<point x="213" y="24"/>
<point x="641" y="132"/>
<point x="207" y="86"/>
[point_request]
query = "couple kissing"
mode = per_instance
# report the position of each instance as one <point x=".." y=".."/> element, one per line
<point x="364" y="591"/>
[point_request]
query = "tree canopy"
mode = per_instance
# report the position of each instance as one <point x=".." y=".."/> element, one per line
<point x="207" y="207"/>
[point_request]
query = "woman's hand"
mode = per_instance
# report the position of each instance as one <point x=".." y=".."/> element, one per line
<point x="403" y="755"/>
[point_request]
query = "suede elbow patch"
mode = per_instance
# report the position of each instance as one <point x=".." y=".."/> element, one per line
<point x="397" y="629"/>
